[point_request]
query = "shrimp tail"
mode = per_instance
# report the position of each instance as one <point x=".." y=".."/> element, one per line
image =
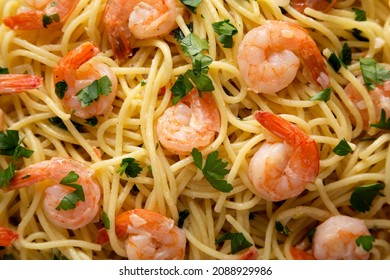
<point x="119" y="38"/>
<point x="314" y="62"/>
<point x="25" y="21"/>
<point x="13" y="83"/>
<point x="7" y="236"/>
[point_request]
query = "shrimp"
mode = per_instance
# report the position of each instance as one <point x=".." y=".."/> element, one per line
<point x="380" y="96"/>
<point x="191" y="123"/>
<point x="141" y="18"/>
<point x="151" y="236"/>
<point x="77" y="71"/>
<point x="281" y="170"/>
<point x="319" y="5"/>
<point x="54" y="171"/>
<point x="335" y="239"/>
<point x="46" y="14"/>
<point x="7" y="236"/>
<point x="268" y="57"/>
<point x="14" y="83"/>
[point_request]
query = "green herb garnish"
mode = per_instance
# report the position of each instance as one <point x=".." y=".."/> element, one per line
<point x="363" y="196"/>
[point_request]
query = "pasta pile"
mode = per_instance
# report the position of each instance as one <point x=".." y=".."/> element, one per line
<point x="172" y="184"/>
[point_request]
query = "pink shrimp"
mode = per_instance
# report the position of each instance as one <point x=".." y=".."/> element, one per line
<point x="74" y="72"/>
<point x="141" y="18"/>
<point x="335" y="239"/>
<point x="380" y="96"/>
<point x="268" y="57"/>
<point x="319" y="5"/>
<point x="150" y="236"/>
<point x="54" y="171"/>
<point x="54" y="13"/>
<point x="15" y="83"/>
<point x="191" y="123"/>
<point x="7" y="236"/>
<point x="281" y="170"/>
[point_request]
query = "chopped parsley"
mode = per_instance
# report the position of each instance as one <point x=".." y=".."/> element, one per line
<point x="373" y="73"/>
<point x="357" y="33"/>
<point x="69" y="201"/>
<point x="57" y="121"/>
<point x="346" y="54"/>
<point x="366" y="241"/>
<point x="362" y="197"/>
<point x="383" y="123"/>
<point x="226" y="31"/>
<point x="106" y="220"/>
<point x="182" y="217"/>
<point x="193" y="45"/>
<point x="129" y="167"/>
<point x="360" y="15"/>
<point x="4" y="70"/>
<point x="238" y="241"/>
<point x="50" y="19"/>
<point x="334" y="61"/>
<point x="92" y="92"/>
<point x="191" y="4"/>
<point x="60" y="88"/>
<point x="323" y="95"/>
<point x="281" y="228"/>
<point x="213" y="170"/>
<point x="179" y="35"/>
<point x="342" y="148"/>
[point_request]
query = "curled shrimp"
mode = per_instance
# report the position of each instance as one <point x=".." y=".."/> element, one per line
<point x="380" y="96"/>
<point x="46" y="14"/>
<point x="319" y="5"/>
<point x="191" y="123"/>
<point x="54" y="171"/>
<point x="76" y="71"/>
<point x="14" y="83"/>
<point x="281" y="170"/>
<point x="151" y="236"/>
<point x="7" y="236"/>
<point x="268" y="57"/>
<point x="141" y="18"/>
<point x="335" y="239"/>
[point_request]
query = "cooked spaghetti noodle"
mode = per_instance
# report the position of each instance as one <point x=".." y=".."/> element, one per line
<point x="170" y="184"/>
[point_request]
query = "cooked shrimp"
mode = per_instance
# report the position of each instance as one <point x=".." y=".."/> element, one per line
<point x="335" y="239"/>
<point x="281" y="170"/>
<point x="141" y="18"/>
<point x="7" y="236"/>
<point x="319" y="5"/>
<point x="14" y="83"/>
<point x="53" y="171"/>
<point x="380" y="97"/>
<point x="46" y="14"/>
<point x="268" y="57"/>
<point x="151" y="236"/>
<point x="191" y="123"/>
<point x="77" y="71"/>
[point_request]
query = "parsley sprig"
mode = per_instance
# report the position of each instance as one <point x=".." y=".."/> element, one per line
<point x="373" y="73"/>
<point x="69" y="201"/>
<point x="92" y="92"/>
<point x="10" y="145"/>
<point x="363" y="196"/>
<point x="213" y="170"/>
<point x="342" y="148"/>
<point x="226" y="31"/>
<point x="193" y="46"/>
<point x="366" y="241"/>
<point x="130" y="167"/>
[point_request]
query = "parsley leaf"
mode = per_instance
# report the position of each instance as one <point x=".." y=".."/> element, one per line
<point x="342" y="148"/>
<point x="213" y="170"/>
<point x="238" y="241"/>
<point x="373" y="73"/>
<point x="191" y="4"/>
<point x="49" y="19"/>
<point x="202" y="81"/>
<point x="334" y="62"/>
<point x="282" y="229"/>
<point x="323" y="95"/>
<point x="69" y="201"/>
<point x="179" y="35"/>
<point x="129" y="167"/>
<point x="4" y="70"/>
<point x="192" y="44"/>
<point x="226" y="30"/>
<point x="346" y="54"/>
<point x="60" y="88"/>
<point x="182" y="217"/>
<point x="180" y="88"/>
<point x="92" y="92"/>
<point x="360" y="15"/>
<point x="357" y="33"/>
<point x="383" y="123"/>
<point x="362" y="197"/>
<point x="366" y="241"/>
<point x="106" y="220"/>
<point x="11" y="146"/>
<point x="7" y="174"/>
<point x="57" y="121"/>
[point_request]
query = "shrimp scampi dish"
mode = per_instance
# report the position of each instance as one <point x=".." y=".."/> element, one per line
<point x="195" y="130"/>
